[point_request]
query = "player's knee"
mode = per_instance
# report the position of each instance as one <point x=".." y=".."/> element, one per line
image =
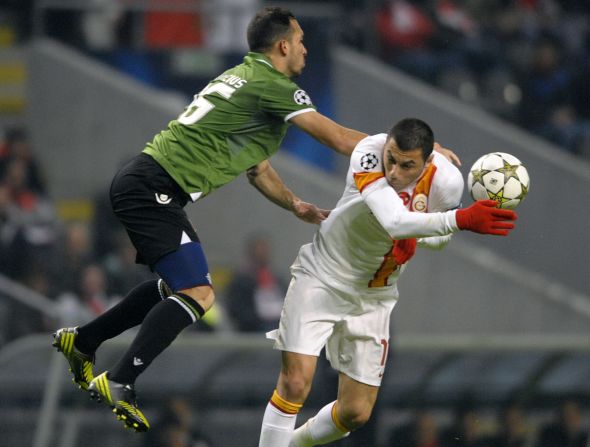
<point x="354" y="415"/>
<point x="294" y="386"/>
<point x="203" y="295"/>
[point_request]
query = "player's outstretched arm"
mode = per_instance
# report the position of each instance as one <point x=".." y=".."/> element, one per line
<point x="482" y="217"/>
<point x="266" y="180"/>
<point x="342" y="139"/>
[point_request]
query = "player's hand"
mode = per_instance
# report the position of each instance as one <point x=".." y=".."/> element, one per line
<point x="403" y="250"/>
<point x="483" y="217"/>
<point x="309" y="213"/>
<point x="448" y="154"/>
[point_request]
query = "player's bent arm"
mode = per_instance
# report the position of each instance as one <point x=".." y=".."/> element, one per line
<point x="328" y="132"/>
<point x="266" y="180"/>
<point x="400" y="223"/>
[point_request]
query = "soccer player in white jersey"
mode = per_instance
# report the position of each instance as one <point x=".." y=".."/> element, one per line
<point x="398" y="194"/>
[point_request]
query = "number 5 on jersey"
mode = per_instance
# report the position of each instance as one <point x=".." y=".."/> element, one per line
<point x="201" y="105"/>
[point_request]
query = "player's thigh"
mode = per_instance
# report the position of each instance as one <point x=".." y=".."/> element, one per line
<point x="360" y="344"/>
<point x="310" y="312"/>
<point x="150" y="205"/>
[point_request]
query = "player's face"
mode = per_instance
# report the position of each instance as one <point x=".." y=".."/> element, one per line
<point x="402" y="168"/>
<point x="297" y="51"/>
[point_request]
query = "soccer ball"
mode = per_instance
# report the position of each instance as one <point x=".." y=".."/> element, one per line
<point x="501" y="177"/>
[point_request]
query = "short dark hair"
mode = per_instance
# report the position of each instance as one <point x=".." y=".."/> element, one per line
<point x="267" y="26"/>
<point x="413" y="133"/>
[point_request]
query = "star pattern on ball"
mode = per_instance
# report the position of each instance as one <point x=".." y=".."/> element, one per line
<point x="509" y="171"/>
<point x="369" y="161"/>
<point x="524" y="191"/>
<point x="478" y="175"/>
<point x="498" y="197"/>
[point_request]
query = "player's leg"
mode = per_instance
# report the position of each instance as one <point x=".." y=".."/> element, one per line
<point x="293" y="386"/>
<point x="134" y="203"/>
<point x="181" y="269"/>
<point x="306" y="323"/>
<point x="351" y="410"/>
<point x="150" y="206"/>
<point x="358" y="350"/>
<point x="78" y="344"/>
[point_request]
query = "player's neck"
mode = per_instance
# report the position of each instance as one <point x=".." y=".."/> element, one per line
<point x="279" y="62"/>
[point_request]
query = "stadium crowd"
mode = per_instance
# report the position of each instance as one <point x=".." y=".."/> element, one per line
<point x="525" y="60"/>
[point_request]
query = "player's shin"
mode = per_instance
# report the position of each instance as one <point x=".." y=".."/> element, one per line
<point x="323" y="428"/>
<point x="161" y="326"/>
<point x="278" y="422"/>
<point x="128" y="313"/>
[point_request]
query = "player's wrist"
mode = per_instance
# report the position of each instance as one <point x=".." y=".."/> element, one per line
<point x="455" y="222"/>
<point x="294" y="204"/>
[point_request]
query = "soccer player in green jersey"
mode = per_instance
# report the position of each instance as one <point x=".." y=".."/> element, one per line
<point x="233" y="125"/>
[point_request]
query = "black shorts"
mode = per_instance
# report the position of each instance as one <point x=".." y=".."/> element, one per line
<point x="149" y="204"/>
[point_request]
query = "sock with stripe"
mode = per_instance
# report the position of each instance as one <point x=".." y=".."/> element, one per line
<point x="160" y="327"/>
<point x="127" y="313"/>
<point x="278" y="422"/>
<point x="323" y="428"/>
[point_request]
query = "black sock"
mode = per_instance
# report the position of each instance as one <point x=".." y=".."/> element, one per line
<point x="161" y="326"/>
<point x="129" y="312"/>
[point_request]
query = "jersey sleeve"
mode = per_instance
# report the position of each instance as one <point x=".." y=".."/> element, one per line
<point x="366" y="161"/>
<point x="285" y="99"/>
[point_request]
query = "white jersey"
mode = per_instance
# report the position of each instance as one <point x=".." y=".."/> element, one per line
<point x="352" y="250"/>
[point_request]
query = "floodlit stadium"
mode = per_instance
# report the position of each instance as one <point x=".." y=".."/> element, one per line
<point x="490" y="339"/>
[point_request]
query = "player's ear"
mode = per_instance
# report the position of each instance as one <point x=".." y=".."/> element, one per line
<point x="429" y="160"/>
<point x="283" y="46"/>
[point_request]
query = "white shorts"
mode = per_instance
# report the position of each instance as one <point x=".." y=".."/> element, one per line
<point x="354" y="329"/>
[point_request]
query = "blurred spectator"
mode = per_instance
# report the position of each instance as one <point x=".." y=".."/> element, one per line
<point x="466" y="431"/>
<point x="545" y="89"/>
<point x="421" y="431"/>
<point x="16" y="146"/>
<point x="88" y="300"/>
<point x="76" y="252"/>
<point x="255" y="294"/>
<point x="404" y="25"/>
<point x="568" y="430"/>
<point x="514" y="429"/>
<point x="8" y="227"/>
<point x="405" y="31"/>
<point x="174" y="428"/>
<point x="29" y="224"/>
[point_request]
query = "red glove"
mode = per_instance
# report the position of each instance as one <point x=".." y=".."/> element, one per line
<point x="483" y="217"/>
<point x="403" y="250"/>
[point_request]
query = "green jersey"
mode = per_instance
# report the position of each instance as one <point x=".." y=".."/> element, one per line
<point x="234" y="123"/>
